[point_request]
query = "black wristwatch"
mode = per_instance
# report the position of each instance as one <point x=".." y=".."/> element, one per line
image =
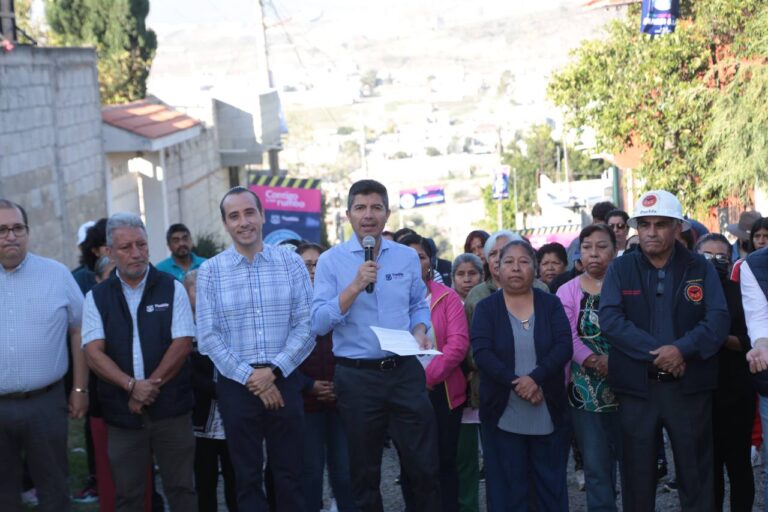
<point x="276" y="370"/>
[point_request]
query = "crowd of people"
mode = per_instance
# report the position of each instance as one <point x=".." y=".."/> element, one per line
<point x="260" y="365"/>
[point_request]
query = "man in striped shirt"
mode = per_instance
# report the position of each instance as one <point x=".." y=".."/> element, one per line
<point x="253" y="322"/>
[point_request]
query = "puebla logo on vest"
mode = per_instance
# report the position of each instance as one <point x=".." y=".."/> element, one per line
<point x="649" y="200"/>
<point x="694" y="293"/>
<point x="151" y="308"/>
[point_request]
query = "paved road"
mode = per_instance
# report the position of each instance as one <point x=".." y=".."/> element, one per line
<point x="393" y="500"/>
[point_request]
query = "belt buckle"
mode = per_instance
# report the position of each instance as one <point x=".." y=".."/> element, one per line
<point x="388" y="364"/>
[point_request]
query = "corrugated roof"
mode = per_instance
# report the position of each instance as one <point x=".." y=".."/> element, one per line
<point x="149" y="118"/>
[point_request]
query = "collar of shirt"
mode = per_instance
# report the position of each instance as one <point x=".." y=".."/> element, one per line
<point x="236" y="258"/>
<point x="17" y="267"/>
<point x="140" y="286"/>
<point x="196" y="261"/>
<point x="353" y="245"/>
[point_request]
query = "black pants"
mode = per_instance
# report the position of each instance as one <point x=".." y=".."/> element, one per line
<point x="688" y="421"/>
<point x="448" y="426"/>
<point x="374" y="402"/>
<point x="248" y="424"/>
<point x="37" y="429"/>
<point x="209" y="453"/>
<point x="734" y="413"/>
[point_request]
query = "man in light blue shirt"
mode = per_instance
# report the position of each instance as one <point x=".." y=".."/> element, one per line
<point x="377" y="391"/>
<point x="253" y="322"/>
<point x="40" y="303"/>
<point x="182" y="259"/>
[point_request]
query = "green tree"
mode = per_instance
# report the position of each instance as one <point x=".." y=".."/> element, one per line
<point x="117" y="29"/>
<point x="691" y="100"/>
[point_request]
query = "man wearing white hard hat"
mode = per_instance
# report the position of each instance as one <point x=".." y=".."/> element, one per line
<point x="664" y="312"/>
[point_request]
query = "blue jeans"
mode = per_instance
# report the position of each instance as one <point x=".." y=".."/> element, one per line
<point x="324" y="438"/>
<point x="764" y="424"/>
<point x="599" y="437"/>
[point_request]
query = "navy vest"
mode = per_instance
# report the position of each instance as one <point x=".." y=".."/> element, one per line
<point x="154" y="318"/>
<point x="758" y="264"/>
<point x="628" y="375"/>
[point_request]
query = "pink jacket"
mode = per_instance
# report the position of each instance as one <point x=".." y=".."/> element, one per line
<point x="452" y="338"/>
<point x="570" y="295"/>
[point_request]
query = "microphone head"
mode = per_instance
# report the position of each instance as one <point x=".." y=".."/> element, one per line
<point x="369" y="242"/>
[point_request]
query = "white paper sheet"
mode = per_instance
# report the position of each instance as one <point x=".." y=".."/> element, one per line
<point x="401" y="343"/>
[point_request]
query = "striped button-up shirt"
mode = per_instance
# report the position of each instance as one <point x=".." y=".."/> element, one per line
<point x="39" y="302"/>
<point x="254" y="312"/>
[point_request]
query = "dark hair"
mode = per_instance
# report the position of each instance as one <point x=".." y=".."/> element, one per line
<point x="240" y="190"/>
<point x="176" y="228"/>
<point x="689" y="237"/>
<point x="397" y="235"/>
<point x="388" y="233"/>
<point x="366" y="187"/>
<point x="617" y="213"/>
<point x="761" y="223"/>
<point x="525" y="245"/>
<point x="478" y="233"/>
<point x="306" y="246"/>
<point x="95" y="237"/>
<point x="714" y="237"/>
<point x="414" y="239"/>
<point x="601" y="209"/>
<point x="553" y="248"/>
<point x="5" y="204"/>
<point x="592" y="228"/>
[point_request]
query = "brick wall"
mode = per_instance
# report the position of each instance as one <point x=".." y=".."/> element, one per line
<point x="51" y="159"/>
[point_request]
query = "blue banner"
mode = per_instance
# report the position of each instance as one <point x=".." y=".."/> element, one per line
<point x="279" y="226"/>
<point x="659" y="16"/>
<point x="501" y="183"/>
<point x="414" y="198"/>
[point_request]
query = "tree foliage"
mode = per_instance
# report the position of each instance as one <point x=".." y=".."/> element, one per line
<point x="530" y="155"/>
<point x="689" y="99"/>
<point x="117" y="29"/>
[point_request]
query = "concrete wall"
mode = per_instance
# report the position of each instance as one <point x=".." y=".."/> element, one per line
<point x="196" y="182"/>
<point x="51" y="159"/>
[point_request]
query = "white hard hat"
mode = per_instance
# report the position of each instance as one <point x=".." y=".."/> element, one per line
<point x="658" y="203"/>
<point x="83" y="231"/>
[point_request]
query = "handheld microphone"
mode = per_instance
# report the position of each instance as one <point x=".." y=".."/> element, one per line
<point x="368" y="243"/>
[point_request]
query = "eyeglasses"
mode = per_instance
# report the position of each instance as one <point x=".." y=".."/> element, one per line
<point x="618" y="227"/>
<point x="720" y="258"/>
<point x="18" y="229"/>
<point x="660" y="285"/>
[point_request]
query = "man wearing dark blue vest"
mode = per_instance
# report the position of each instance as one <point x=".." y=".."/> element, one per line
<point x="663" y="310"/>
<point x="754" y="292"/>
<point x="137" y="335"/>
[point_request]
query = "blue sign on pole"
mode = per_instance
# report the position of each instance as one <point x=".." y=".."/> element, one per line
<point x="659" y="16"/>
<point x="501" y="183"/>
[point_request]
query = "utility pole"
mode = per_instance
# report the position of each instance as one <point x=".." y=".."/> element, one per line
<point x="265" y="75"/>
<point x="7" y="21"/>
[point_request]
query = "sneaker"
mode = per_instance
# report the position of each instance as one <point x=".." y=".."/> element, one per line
<point x="757" y="459"/>
<point x="87" y="495"/>
<point x="580" y="482"/>
<point x="670" y="486"/>
<point x="661" y="469"/>
<point x="29" y="498"/>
